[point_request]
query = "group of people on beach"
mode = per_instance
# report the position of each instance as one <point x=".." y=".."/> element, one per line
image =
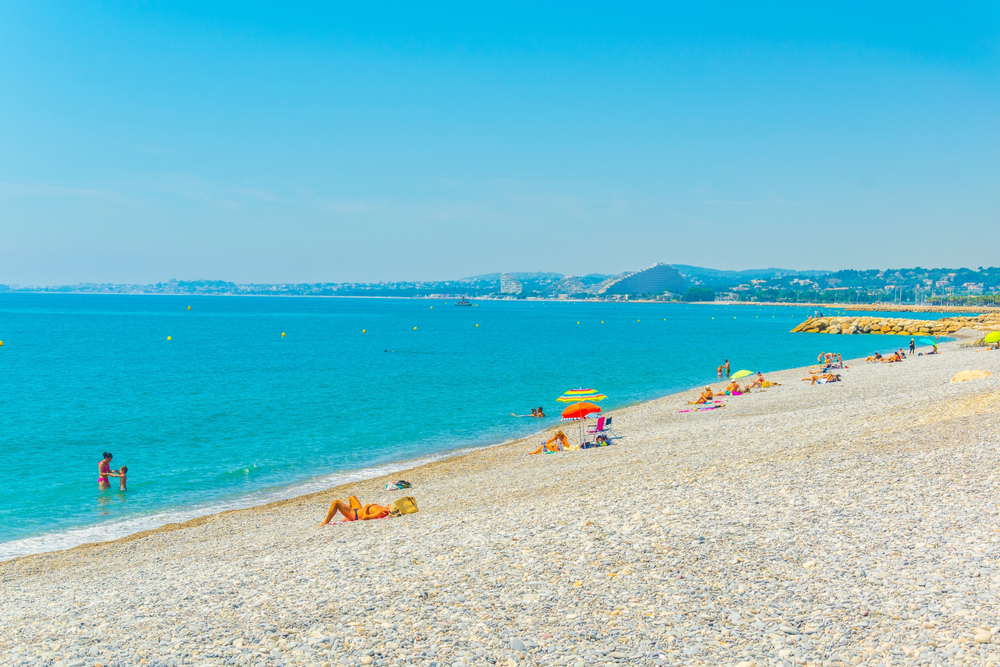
<point x="105" y="473"/>
<point x="723" y="368"/>
<point x="895" y="357"/>
<point x="733" y="389"/>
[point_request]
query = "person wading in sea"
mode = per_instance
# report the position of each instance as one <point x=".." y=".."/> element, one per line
<point x="103" y="470"/>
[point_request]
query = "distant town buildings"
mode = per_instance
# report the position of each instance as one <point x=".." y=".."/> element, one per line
<point x="655" y="279"/>
<point x="509" y="284"/>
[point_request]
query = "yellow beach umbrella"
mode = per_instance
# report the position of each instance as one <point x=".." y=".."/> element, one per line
<point x="741" y="374"/>
<point x="578" y="395"/>
<point x="992" y="337"/>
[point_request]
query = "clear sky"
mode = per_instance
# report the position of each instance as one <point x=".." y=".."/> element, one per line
<point x="380" y="141"/>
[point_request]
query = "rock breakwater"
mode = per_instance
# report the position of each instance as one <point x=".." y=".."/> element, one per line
<point x="861" y="324"/>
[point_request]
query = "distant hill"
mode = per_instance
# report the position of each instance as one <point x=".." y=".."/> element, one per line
<point x="538" y="275"/>
<point x="708" y="276"/>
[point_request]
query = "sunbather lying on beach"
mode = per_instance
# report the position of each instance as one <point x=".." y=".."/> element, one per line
<point x="353" y="511"/>
<point x="822" y="379"/>
<point x="557" y="443"/>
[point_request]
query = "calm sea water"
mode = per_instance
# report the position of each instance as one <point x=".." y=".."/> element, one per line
<point x="229" y="413"/>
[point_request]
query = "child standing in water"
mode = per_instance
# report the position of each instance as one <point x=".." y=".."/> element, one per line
<point x="121" y="474"/>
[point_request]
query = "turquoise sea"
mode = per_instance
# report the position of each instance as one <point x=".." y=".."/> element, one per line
<point x="229" y="413"/>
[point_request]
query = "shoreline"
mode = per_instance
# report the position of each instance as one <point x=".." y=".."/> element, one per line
<point x="814" y="524"/>
<point x="456" y="454"/>
<point x="857" y="307"/>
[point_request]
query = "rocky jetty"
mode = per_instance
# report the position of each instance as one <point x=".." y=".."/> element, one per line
<point x="860" y="324"/>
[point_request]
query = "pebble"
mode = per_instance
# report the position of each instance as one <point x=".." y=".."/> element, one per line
<point x="841" y="524"/>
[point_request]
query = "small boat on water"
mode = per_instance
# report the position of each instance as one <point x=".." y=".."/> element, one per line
<point x="463" y="302"/>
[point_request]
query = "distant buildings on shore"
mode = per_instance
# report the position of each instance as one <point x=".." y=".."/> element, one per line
<point x="509" y="284"/>
<point x="658" y="282"/>
<point x="651" y="281"/>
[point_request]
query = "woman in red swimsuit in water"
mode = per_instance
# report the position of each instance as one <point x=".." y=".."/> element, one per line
<point x="103" y="468"/>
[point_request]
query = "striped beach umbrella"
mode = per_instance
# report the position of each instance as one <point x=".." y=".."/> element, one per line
<point x="578" y="395"/>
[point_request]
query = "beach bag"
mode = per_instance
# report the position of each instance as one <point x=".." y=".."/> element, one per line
<point x="403" y="484"/>
<point x="407" y="505"/>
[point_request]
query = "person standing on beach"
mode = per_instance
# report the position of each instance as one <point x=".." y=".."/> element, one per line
<point x="103" y="472"/>
<point x="727" y="367"/>
<point x="913" y="347"/>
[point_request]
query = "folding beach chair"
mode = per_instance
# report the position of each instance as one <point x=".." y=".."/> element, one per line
<point x="598" y="427"/>
<point x="603" y="425"/>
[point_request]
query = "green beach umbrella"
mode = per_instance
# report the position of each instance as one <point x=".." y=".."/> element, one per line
<point x="741" y="374"/>
<point x="928" y="341"/>
<point x="992" y="337"/>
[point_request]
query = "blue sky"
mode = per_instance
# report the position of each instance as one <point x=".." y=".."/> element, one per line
<point x="344" y="142"/>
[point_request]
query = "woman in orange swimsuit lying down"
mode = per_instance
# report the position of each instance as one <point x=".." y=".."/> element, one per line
<point x="353" y="511"/>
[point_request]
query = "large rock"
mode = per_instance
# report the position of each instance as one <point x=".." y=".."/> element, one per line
<point x="965" y="376"/>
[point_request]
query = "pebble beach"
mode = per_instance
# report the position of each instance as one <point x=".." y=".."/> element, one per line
<point x="841" y="524"/>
